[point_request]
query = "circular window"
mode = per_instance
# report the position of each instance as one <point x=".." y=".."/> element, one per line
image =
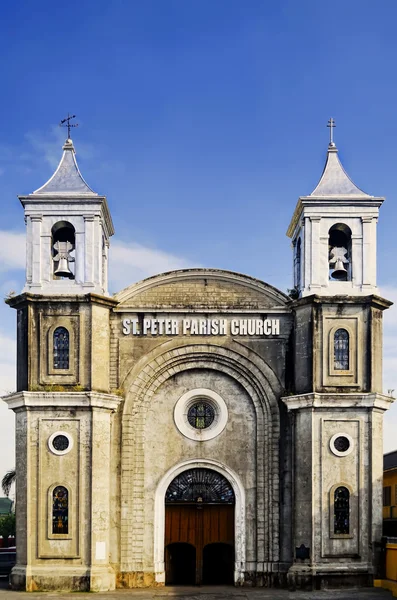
<point x="341" y="444"/>
<point x="200" y="414"/>
<point x="60" y="442"/>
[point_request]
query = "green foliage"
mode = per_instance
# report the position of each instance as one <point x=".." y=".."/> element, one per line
<point x="7" y="481"/>
<point x="7" y="527"/>
<point x="117" y="391"/>
<point x="54" y="387"/>
<point x="293" y="293"/>
<point x="9" y="295"/>
<point x="78" y="388"/>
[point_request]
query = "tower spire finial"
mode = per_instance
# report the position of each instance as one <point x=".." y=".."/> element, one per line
<point x="68" y="123"/>
<point x="331" y="124"/>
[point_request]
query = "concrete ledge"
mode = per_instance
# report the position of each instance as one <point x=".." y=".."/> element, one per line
<point x="67" y="400"/>
<point x="328" y="400"/>
<point x="60" y="578"/>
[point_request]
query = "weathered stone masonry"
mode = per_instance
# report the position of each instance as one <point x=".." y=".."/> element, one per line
<point x="103" y="410"/>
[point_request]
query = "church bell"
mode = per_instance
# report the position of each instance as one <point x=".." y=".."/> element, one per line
<point x="339" y="272"/>
<point x="63" y="268"/>
<point x="63" y="259"/>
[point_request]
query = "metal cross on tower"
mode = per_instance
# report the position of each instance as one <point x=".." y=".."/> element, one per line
<point x="68" y="123"/>
<point x="331" y="125"/>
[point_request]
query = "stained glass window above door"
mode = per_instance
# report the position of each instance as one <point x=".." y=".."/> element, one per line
<point x="200" y="485"/>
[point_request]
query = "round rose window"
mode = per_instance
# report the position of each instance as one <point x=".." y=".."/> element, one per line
<point x="60" y="443"/>
<point x="201" y="415"/>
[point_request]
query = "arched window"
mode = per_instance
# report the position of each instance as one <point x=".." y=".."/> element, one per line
<point x="61" y="348"/>
<point x="341" y="350"/>
<point x="340" y="252"/>
<point x="63" y="243"/>
<point x="60" y="510"/>
<point x="298" y="251"/>
<point x="341" y="510"/>
<point x="200" y="485"/>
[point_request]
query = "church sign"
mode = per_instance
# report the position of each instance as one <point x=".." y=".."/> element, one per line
<point x="196" y="326"/>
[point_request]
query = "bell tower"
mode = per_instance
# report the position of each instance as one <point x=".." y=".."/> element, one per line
<point x="68" y="231"/>
<point x="337" y="407"/>
<point x="333" y="232"/>
<point x="64" y="403"/>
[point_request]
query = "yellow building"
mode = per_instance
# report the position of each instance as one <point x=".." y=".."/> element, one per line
<point x="390" y="494"/>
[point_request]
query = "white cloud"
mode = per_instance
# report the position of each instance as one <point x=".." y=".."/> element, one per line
<point x="38" y="145"/>
<point x="12" y="250"/>
<point x="132" y="262"/>
<point x="8" y="351"/>
<point x="49" y="145"/>
<point x="7" y="418"/>
<point x="128" y="262"/>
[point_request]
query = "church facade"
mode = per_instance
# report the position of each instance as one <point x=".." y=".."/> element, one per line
<point x="199" y="426"/>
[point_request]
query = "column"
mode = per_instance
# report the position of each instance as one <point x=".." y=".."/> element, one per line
<point x="97" y="258"/>
<point x="102" y="576"/>
<point x="36" y="249"/>
<point x="357" y="260"/>
<point x="368" y="253"/>
<point x="315" y="254"/>
<point x="80" y="251"/>
<point x="306" y="254"/>
<point x="89" y="249"/>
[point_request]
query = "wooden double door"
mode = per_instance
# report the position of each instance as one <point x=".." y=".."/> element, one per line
<point x="199" y="544"/>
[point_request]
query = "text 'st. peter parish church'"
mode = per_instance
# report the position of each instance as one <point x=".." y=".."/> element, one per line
<point x="199" y="426"/>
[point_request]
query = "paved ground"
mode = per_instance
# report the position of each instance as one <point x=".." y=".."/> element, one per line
<point x="203" y="593"/>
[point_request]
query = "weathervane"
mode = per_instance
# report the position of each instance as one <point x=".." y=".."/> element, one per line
<point x="331" y="125"/>
<point x="68" y="123"/>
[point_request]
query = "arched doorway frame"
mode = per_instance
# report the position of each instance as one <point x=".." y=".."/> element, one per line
<point x="239" y="514"/>
<point x="262" y="386"/>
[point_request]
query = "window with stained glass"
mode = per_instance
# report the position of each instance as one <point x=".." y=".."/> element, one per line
<point x="341" y="510"/>
<point x="201" y="415"/>
<point x="341" y="350"/>
<point x="61" y="348"/>
<point x="200" y="485"/>
<point x="60" y="510"/>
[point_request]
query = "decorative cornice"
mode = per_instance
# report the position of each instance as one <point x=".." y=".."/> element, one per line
<point x="321" y="201"/>
<point x="45" y="200"/>
<point x="66" y="400"/>
<point x="353" y="400"/>
<point x="372" y="300"/>
<point x="28" y="298"/>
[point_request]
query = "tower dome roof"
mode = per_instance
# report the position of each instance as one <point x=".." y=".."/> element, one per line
<point x="67" y="178"/>
<point x="335" y="181"/>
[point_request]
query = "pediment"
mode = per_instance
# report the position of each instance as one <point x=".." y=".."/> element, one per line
<point x="201" y="289"/>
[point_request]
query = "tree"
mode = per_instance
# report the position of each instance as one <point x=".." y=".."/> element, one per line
<point x="7" y="527"/>
<point x="7" y="481"/>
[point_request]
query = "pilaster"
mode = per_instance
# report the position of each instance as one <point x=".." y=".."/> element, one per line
<point x="323" y="555"/>
<point x="84" y="470"/>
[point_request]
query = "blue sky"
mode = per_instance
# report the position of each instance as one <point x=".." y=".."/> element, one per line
<point x="202" y="121"/>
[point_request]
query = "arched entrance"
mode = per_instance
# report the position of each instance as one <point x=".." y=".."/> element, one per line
<point x="199" y="514"/>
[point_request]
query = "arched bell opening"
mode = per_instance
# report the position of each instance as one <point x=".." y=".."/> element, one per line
<point x="199" y="511"/>
<point x="340" y="252"/>
<point x="297" y="264"/>
<point x="63" y="243"/>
